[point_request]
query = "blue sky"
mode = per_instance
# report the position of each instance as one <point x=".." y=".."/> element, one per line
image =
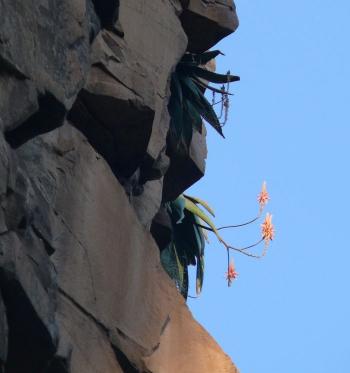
<point x="289" y="125"/>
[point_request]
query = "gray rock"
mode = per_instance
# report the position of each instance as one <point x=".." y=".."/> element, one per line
<point x="161" y="228"/>
<point x="148" y="203"/>
<point x="4" y="166"/>
<point x="128" y="84"/>
<point x="3" y="226"/>
<point x="23" y="93"/>
<point x="185" y="169"/>
<point x="44" y="60"/>
<point x="48" y="43"/>
<point x="206" y="22"/>
<point x="30" y="307"/>
<point x="3" y="333"/>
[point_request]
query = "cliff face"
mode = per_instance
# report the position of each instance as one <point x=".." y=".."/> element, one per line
<point x="84" y="89"/>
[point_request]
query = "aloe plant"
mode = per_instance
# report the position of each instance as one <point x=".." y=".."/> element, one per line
<point x="188" y="104"/>
<point x="188" y="242"/>
<point x="190" y="220"/>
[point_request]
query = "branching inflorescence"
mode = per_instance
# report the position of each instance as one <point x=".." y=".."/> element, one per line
<point x="190" y="221"/>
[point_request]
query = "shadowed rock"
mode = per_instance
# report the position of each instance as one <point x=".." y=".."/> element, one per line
<point x="185" y="169"/>
<point x="206" y="22"/>
<point x="107" y="11"/>
<point x="3" y="334"/>
<point x="30" y="306"/>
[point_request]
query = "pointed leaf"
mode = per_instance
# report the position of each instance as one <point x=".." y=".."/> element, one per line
<point x="169" y="263"/>
<point x="213" y="77"/>
<point x="192" y="117"/>
<point x="213" y="89"/>
<point x="189" y="205"/>
<point x="200" y="202"/>
<point x="198" y="237"/>
<point x="200" y="274"/>
<point x="204" y="231"/>
<point x="199" y="257"/>
<point x="175" y="107"/>
<point x="176" y="209"/>
<point x="187" y="243"/>
<point x="180" y="266"/>
<point x="184" y="289"/>
<point x="193" y="93"/>
<point x="176" y="269"/>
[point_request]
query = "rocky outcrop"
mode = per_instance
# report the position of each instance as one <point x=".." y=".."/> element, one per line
<point x="84" y="88"/>
<point x="192" y="166"/>
<point x="44" y="57"/>
<point x="207" y="21"/>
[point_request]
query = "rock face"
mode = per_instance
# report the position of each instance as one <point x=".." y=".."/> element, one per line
<point x="208" y="21"/>
<point x="84" y="89"/>
<point x="3" y="334"/>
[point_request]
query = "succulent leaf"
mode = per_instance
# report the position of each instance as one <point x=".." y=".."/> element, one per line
<point x="200" y="202"/>
<point x="192" y="207"/>
<point x="192" y="92"/>
<point x="212" y="77"/>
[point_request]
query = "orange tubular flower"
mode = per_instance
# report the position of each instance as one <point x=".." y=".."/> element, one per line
<point x="267" y="229"/>
<point x="263" y="197"/>
<point x="231" y="273"/>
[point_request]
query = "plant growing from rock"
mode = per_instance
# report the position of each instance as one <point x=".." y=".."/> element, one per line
<point x="190" y="221"/>
<point x="188" y="104"/>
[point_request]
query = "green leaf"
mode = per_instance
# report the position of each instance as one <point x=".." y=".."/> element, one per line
<point x="201" y="104"/>
<point x="169" y="263"/>
<point x="199" y="255"/>
<point x="212" y="77"/>
<point x="190" y="121"/>
<point x="175" y="268"/>
<point x="192" y="207"/>
<point x="184" y="288"/>
<point x="185" y="239"/>
<point x="180" y="266"/>
<point x="176" y="209"/>
<point x="200" y="202"/>
<point x="199" y="274"/>
<point x="192" y="116"/>
<point x="188" y="241"/>
<point x="201" y="83"/>
<point x="175" y="107"/>
<point x="183" y="118"/>
<point x="198" y="235"/>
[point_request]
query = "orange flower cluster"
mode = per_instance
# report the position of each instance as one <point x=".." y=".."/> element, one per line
<point x="267" y="229"/>
<point x="231" y="273"/>
<point x="267" y="235"/>
<point x="263" y="197"/>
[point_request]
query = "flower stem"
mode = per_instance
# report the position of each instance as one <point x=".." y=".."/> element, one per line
<point x="231" y="226"/>
<point x="228" y="266"/>
<point x="240" y="250"/>
<point x="243" y="250"/>
<point x="240" y="225"/>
